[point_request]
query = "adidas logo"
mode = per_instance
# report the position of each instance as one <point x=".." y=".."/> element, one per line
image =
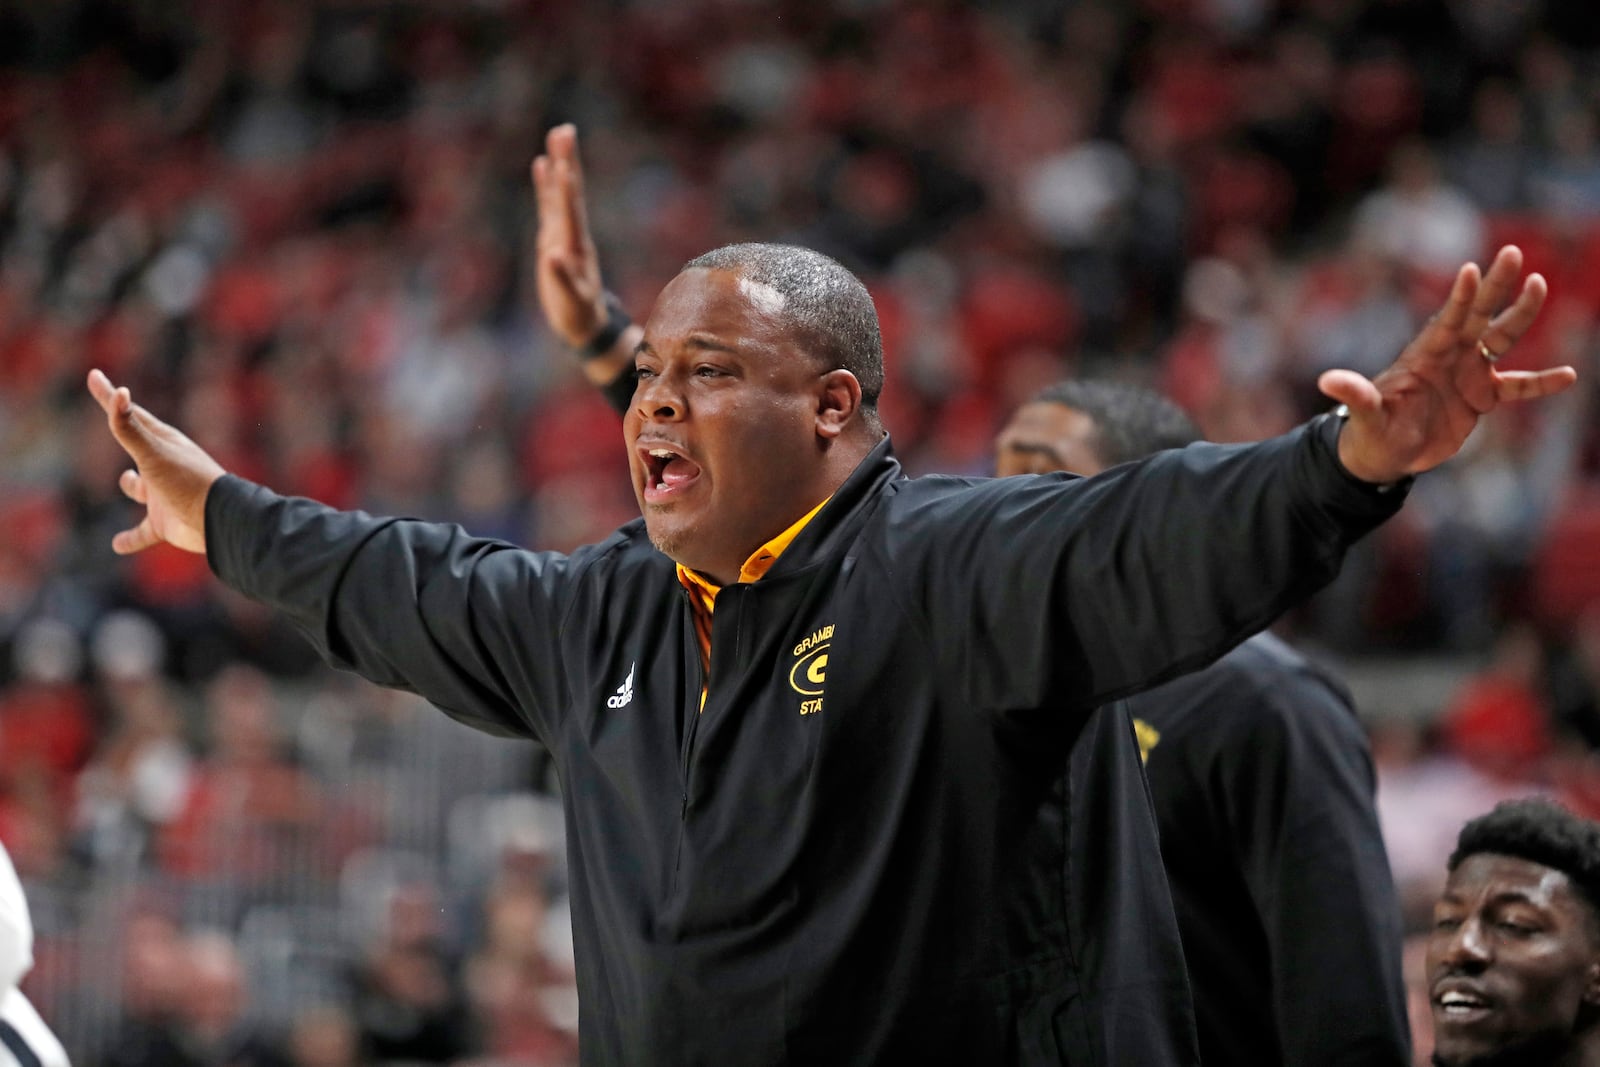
<point x="624" y="692"/>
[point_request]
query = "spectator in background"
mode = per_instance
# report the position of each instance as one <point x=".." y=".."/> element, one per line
<point x="139" y="777"/>
<point x="251" y="812"/>
<point x="25" y="1039"/>
<point x="407" y="1002"/>
<point x="202" y="1017"/>
<point x="45" y="733"/>
<point x="1490" y="159"/>
<point x="1500" y="720"/>
<point x="1566" y="184"/>
<point x="1575" y="681"/>
<point x="325" y="1037"/>
<point x="216" y="1027"/>
<point x="1514" y="957"/>
<point x="1418" y="219"/>
<point x="154" y="981"/>
<point x="510" y="978"/>
<point x="1423" y="788"/>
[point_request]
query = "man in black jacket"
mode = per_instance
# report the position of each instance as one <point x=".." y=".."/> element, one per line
<point x="1263" y="789"/>
<point x="1133" y="989"/>
<point x="810" y="715"/>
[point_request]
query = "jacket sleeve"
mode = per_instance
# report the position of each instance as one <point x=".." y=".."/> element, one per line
<point x="472" y="625"/>
<point x="1297" y="791"/>
<point x="1052" y="590"/>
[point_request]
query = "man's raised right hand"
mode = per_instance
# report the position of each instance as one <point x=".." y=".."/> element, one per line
<point x="567" y="267"/>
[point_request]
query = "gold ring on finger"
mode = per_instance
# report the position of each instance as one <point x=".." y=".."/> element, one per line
<point x="1486" y="353"/>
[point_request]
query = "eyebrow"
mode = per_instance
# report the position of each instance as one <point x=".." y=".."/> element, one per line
<point x="1033" y="448"/>
<point x="1509" y="896"/>
<point x="703" y="344"/>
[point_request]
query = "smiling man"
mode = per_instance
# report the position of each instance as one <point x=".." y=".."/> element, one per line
<point x="1514" y="957"/>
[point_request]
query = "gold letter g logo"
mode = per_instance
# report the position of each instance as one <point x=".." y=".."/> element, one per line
<point x="809" y="672"/>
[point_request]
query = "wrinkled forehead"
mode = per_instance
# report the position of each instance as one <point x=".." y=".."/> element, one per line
<point x="706" y="307"/>
<point x="720" y="302"/>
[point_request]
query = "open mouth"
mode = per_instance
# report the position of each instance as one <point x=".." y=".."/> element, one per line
<point x="667" y="472"/>
<point x="1460" y="1006"/>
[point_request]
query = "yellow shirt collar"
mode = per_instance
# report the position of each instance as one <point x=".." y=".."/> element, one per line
<point x="760" y="561"/>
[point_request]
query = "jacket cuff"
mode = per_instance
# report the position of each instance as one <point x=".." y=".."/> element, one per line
<point x="232" y="507"/>
<point x="1357" y="492"/>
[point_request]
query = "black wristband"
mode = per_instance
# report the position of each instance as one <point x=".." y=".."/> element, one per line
<point x="617" y="320"/>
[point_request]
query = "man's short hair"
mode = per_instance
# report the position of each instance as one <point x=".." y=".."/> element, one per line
<point x="827" y="304"/>
<point x="1543" y="832"/>
<point x="1130" y="421"/>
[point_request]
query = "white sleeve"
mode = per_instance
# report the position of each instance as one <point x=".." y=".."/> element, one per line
<point x="25" y="1040"/>
<point x="16" y="927"/>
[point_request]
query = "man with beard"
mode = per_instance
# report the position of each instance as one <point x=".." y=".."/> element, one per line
<point x="1514" y="955"/>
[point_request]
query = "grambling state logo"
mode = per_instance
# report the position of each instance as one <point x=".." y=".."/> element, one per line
<point x="1148" y="737"/>
<point x="810" y="669"/>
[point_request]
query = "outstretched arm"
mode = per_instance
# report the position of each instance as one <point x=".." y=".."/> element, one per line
<point x="1418" y="412"/>
<point x="1193" y="549"/>
<point x="470" y="624"/>
<point x="574" y="301"/>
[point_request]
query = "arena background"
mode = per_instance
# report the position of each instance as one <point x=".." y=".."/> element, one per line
<point x="302" y="230"/>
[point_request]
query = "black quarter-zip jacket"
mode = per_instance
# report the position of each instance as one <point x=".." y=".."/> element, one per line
<point x="859" y="851"/>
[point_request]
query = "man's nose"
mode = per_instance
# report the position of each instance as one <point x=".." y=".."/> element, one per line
<point x="1466" y="949"/>
<point x="658" y="397"/>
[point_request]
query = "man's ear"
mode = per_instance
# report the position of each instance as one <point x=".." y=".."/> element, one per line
<point x="838" y="402"/>
<point x="1591" y="985"/>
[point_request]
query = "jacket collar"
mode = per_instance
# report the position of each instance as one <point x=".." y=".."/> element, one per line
<point x="842" y="517"/>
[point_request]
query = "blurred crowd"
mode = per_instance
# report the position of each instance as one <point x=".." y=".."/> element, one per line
<point x="302" y="230"/>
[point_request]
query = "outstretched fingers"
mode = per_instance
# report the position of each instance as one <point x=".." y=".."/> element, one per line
<point x="117" y="403"/>
<point x="563" y="142"/>
<point x="558" y="188"/>
<point x="1531" y="385"/>
<point x="1507" y="328"/>
<point x="1447" y="324"/>
<point x="132" y="486"/>
<point x="137" y="539"/>
<point x="1494" y="292"/>
<point x="551" y="234"/>
<point x="1352" y="390"/>
<point x="109" y="397"/>
<point x="571" y="278"/>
